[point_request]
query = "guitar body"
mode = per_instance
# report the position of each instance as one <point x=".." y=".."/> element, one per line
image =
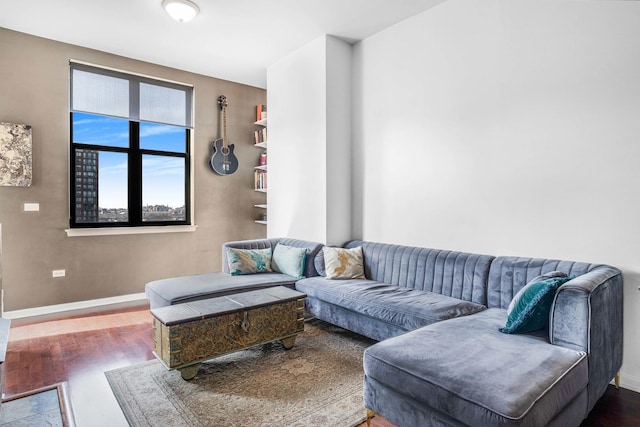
<point x="223" y="161"/>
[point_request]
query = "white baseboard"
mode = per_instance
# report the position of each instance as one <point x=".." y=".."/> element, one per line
<point x="629" y="382"/>
<point x="79" y="305"/>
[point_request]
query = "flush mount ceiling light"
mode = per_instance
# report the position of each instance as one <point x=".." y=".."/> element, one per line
<point x="181" y="10"/>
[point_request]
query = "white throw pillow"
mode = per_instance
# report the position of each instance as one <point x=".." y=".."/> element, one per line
<point x="343" y="263"/>
<point x="289" y="260"/>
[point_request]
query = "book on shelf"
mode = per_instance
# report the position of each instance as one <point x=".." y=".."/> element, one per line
<point x="260" y="135"/>
<point x="261" y="112"/>
<point x="260" y="180"/>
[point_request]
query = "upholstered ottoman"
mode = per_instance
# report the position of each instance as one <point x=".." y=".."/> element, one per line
<point x="179" y="290"/>
<point x="463" y="371"/>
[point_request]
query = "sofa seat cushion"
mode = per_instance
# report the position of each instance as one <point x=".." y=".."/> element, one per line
<point x="470" y="371"/>
<point x="404" y="307"/>
<point x="176" y="290"/>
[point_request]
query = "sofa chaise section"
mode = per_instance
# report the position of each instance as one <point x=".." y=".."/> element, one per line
<point x="177" y="290"/>
<point x="586" y="314"/>
<point x="464" y="371"/>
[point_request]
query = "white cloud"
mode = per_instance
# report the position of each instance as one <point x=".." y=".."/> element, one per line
<point x="146" y="131"/>
<point x="116" y="169"/>
<point x="162" y="166"/>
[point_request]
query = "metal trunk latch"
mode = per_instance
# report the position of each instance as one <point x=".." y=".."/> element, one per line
<point x="245" y="322"/>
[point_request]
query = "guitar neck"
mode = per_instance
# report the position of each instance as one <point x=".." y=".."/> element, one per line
<point x="222" y="103"/>
<point x="224" y="125"/>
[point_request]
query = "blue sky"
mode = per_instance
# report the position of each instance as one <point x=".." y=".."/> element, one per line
<point x="163" y="177"/>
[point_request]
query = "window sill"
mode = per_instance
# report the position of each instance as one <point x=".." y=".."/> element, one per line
<point x="115" y="231"/>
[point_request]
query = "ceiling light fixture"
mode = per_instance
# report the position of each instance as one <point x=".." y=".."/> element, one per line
<point x="181" y="10"/>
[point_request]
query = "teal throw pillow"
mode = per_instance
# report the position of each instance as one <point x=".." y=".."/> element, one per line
<point x="531" y="311"/>
<point x="289" y="260"/>
<point x="249" y="261"/>
<point x="532" y="282"/>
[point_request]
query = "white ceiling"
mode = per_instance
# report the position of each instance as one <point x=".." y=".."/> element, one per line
<point x="234" y="39"/>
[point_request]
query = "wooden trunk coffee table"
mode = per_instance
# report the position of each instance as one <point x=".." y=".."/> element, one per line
<point x="190" y="333"/>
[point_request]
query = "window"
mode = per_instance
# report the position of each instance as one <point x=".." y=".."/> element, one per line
<point x="130" y="140"/>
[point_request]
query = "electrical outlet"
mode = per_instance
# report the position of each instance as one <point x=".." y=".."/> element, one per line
<point x="58" y="273"/>
<point x="31" y="207"/>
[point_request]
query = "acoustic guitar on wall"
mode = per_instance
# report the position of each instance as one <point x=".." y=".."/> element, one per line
<point x="223" y="161"/>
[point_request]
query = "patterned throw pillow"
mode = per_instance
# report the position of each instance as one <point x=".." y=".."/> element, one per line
<point x="249" y="261"/>
<point x="531" y="312"/>
<point x="289" y="260"/>
<point x="343" y="263"/>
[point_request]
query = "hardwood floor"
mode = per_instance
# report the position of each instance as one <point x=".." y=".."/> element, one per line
<point x="79" y="349"/>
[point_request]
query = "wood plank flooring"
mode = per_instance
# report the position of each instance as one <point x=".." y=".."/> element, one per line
<point x="79" y="349"/>
<point x="47" y="353"/>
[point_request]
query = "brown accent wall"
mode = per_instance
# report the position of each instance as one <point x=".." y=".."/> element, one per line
<point x="34" y="90"/>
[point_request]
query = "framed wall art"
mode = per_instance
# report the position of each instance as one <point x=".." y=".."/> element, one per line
<point x="15" y="155"/>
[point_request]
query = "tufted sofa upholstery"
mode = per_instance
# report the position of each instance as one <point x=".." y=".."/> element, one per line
<point x="406" y="288"/>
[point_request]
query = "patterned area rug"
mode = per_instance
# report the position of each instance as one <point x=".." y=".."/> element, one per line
<point x="316" y="383"/>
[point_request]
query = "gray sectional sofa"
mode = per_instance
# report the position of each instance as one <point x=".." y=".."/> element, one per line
<point x="441" y="359"/>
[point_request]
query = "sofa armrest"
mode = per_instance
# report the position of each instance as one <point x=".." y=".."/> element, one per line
<point x="592" y="297"/>
<point x="586" y="315"/>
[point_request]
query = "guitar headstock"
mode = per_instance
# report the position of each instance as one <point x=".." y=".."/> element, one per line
<point x="222" y="101"/>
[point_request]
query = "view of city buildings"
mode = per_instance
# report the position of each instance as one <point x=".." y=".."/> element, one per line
<point x="86" y="186"/>
<point x="163" y="213"/>
<point x="87" y="209"/>
<point x="149" y="213"/>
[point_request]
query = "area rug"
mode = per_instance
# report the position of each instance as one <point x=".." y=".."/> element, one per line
<point x="316" y="383"/>
<point x="47" y="406"/>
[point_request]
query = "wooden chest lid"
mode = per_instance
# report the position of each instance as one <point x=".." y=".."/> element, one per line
<point x="220" y="306"/>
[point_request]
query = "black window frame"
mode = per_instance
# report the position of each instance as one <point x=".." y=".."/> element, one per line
<point x="135" y="155"/>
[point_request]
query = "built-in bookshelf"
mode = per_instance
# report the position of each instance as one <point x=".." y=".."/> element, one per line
<point x="260" y="171"/>
<point x="261" y="180"/>
<point x="260" y="134"/>
<point x="264" y="208"/>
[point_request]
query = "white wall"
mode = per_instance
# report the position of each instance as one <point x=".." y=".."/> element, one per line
<point x="309" y="182"/>
<point x="338" y="154"/>
<point x="507" y="127"/>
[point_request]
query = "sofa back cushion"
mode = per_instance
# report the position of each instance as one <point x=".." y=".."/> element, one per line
<point x="312" y="249"/>
<point x="455" y="274"/>
<point x="510" y="274"/>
